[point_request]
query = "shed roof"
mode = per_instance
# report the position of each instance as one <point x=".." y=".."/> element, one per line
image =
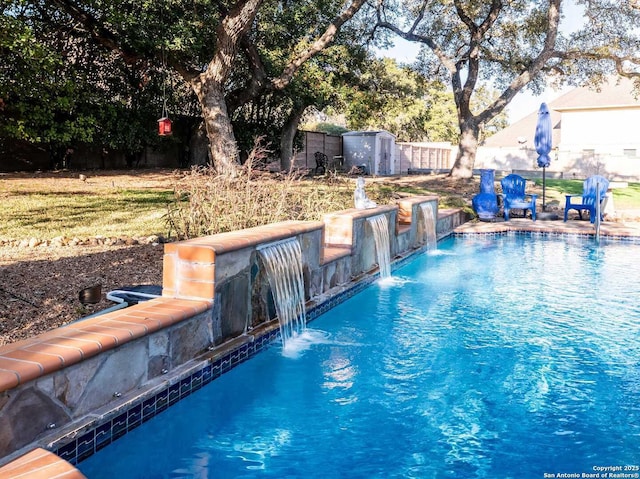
<point x="367" y="133"/>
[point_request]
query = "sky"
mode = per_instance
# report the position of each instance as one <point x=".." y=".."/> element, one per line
<point x="525" y="102"/>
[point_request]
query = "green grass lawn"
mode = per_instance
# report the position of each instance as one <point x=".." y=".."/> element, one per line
<point x="45" y="209"/>
<point x="45" y="215"/>
<point x="624" y="198"/>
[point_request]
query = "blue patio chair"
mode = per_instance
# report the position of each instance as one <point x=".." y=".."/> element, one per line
<point x="514" y="196"/>
<point x="588" y="197"/>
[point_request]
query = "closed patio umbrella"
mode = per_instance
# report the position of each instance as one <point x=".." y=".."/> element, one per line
<point x="542" y="142"/>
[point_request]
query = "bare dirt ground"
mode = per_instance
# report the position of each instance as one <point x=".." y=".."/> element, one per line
<point x="39" y="286"/>
<point x="39" y="291"/>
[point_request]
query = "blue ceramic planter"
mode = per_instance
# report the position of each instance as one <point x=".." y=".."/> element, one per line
<point x="485" y="203"/>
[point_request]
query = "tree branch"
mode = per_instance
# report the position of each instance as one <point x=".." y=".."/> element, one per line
<point x="535" y="66"/>
<point x="464" y="17"/>
<point x="258" y="81"/>
<point x="317" y="46"/>
<point x="97" y="30"/>
<point x="494" y="13"/>
<point x="618" y="61"/>
<point x="110" y="40"/>
<point x="413" y="37"/>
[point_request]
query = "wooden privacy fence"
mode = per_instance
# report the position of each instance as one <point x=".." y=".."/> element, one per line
<point x="315" y="142"/>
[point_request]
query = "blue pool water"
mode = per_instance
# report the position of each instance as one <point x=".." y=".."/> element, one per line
<point x="498" y="358"/>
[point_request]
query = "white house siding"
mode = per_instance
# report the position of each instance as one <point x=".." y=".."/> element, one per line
<point x="607" y="131"/>
<point x="594" y="131"/>
<point x="508" y="159"/>
<point x="564" y="163"/>
<point x="580" y="164"/>
<point x="601" y="141"/>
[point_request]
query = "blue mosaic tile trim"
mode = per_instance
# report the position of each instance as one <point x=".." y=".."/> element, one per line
<point x="551" y="234"/>
<point x="339" y="298"/>
<point x="108" y="431"/>
<point x="620" y="239"/>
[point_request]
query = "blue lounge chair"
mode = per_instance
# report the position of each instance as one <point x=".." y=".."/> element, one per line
<point x="514" y="196"/>
<point x="588" y="197"/>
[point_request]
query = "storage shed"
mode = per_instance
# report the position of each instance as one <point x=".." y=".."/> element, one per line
<point x="373" y="150"/>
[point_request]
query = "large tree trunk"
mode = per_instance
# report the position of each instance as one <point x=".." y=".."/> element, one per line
<point x="288" y="135"/>
<point x="209" y="85"/>
<point x="223" y="149"/>
<point x="467" y="148"/>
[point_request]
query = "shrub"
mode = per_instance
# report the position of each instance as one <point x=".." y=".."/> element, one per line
<point x="206" y="203"/>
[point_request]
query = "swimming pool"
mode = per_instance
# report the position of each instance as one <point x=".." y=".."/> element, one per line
<point x="502" y="357"/>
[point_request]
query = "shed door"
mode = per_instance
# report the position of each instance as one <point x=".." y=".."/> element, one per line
<point x="384" y="167"/>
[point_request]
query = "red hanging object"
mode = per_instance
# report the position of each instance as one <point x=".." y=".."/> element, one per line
<point x="164" y="123"/>
<point x="164" y="126"/>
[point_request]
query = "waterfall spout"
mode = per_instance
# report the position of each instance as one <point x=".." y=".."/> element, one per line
<point x="598" y="213"/>
<point x="380" y="226"/>
<point x="429" y="224"/>
<point x="283" y="265"/>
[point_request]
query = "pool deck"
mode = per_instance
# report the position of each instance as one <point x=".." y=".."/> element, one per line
<point x="617" y="229"/>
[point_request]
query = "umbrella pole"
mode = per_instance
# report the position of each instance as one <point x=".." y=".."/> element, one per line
<point x="544" y="185"/>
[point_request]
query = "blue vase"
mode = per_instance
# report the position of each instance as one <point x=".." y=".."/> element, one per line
<point x="485" y="203"/>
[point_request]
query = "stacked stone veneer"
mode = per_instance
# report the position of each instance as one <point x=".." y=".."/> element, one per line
<point x="215" y="296"/>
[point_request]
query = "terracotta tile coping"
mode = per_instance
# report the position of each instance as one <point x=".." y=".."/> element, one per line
<point x="333" y="253"/>
<point x="234" y="240"/>
<point x="403" y="229"/>
<point x="204" y="249"/>
<point x="51" y="351"/>
<point x="414" y="200"/>
<point x="54" y="350"/>
<point x="40" y="464"/>
<point x="46" y="353"/>
<point x="59" y="348"/>
<point x="357" y="213"/>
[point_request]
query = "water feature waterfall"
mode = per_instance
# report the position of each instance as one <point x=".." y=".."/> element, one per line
<point x="283" y="264"/>
<point x="429" y="224"/>
<point x="380" y="226"/>
<point x="598" y="213"/>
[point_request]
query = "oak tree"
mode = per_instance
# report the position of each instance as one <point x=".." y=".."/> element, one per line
<point x="204" y="41"/>
<point x="511" y="45"/>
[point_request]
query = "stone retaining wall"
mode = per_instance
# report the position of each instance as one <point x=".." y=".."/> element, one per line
<point x="214" y="292"/>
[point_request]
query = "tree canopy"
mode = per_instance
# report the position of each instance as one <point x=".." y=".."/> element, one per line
<point x="59" y="88"/>
<point x="397" y="99"/>
<point x="75" y="70"/>
<point x="228" y="53"/>
<point x="510" y="45"/>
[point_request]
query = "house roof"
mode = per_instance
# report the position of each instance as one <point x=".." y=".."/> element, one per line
<point x="613" y="94"/>
<point x="521" y="133"/>
<point x="616" y="93"/>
